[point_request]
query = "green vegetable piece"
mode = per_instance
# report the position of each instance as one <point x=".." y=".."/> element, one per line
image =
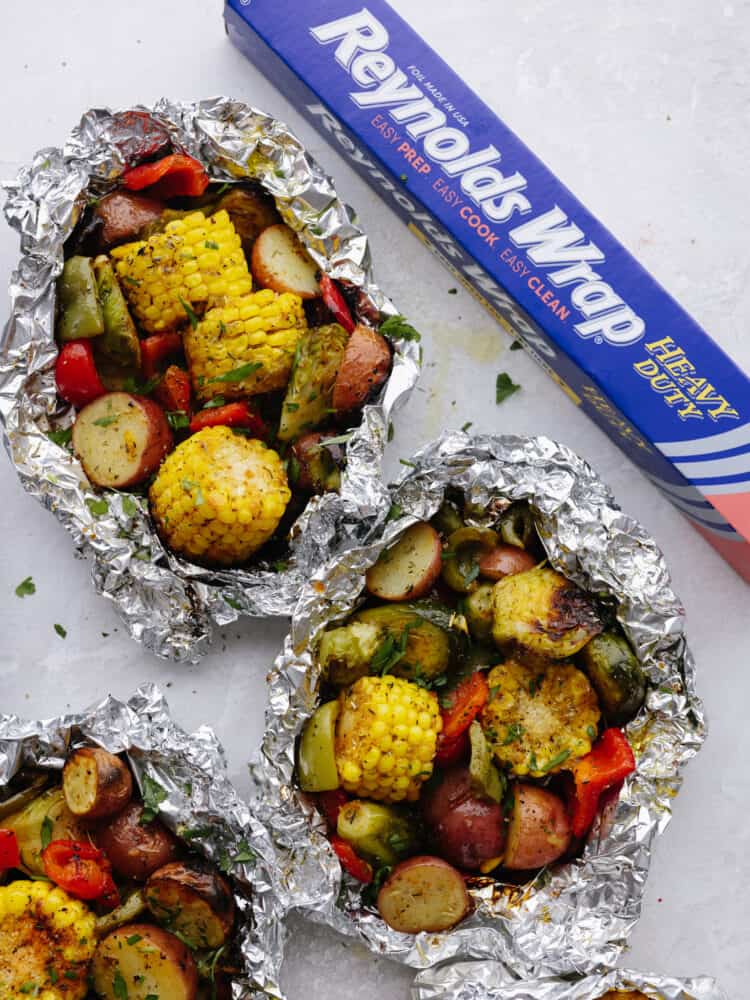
<point x="119" y="345"/>
<point x="517" y="526"/>
<point x="616" y="676"/>
<point x="345" y="653"/>
<point x="478" y="609"/>
<point x="40" y="821"/>
<point x="316" y="758"/>
<point x="128" y="911"/>
<point x="428" y="647"/>
<point x="486" y="780"/>
<point x="461" y="557"/>
<point x="448" y="519"/>
<point x="309" y="395"/>
<point x="80" y="312"/>
<point x="378" y="833"/>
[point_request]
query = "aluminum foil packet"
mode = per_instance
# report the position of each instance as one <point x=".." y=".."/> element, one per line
<point x="575" y="915"/>
<point x="201" y="806"/>
<point x="167" y="603"/>
<point x="490" y="981"/>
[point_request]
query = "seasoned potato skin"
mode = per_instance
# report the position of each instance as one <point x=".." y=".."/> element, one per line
<point x="364" y="368"/>
<point x="538" y="712"/>
<point x="150" y="961"/>
<point x="539" y="829"/>
<point x="111" y="780"/>
<point x="544" y="612"/>
<point x="135" y="851"/>
<point x="194" y="900"/>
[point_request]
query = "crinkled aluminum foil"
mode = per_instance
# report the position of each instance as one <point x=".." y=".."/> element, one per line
<point x="490" y="981"/>
<point x="191" y="768"/>
<point x="577" y="915"/>
<point x="167" y="603"/>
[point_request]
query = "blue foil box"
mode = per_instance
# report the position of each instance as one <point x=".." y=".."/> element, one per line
<point x="552" y="275"/>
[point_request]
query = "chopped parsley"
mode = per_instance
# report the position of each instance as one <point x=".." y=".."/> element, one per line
<point x="467" y="425"/>
<point x="292" y="407"/>
<point x="97" y="507"/>
<point x="107" y="421"/>
<point x="153" y="796"/>
<point x="398" y="328"/>
<point x="513" y="734"/>
<point x="129" y="506"/>
<point x="504" y="387"/>
<point x="405" y="461"/>
<point x="391" y="650"/>
<point x="194" y="321"/>
<point x="188" y="485"/>
<point x="391" y="430"/>
<point x="45" y="832"/>
<point x="134" y="939"/>
<point x="517" y="345"/>
<point x="62" y="632"/>
<point x="591" y="732"/>
<point x="238" y="374"/>
<point x="178" y="419"/>
<point x="535" y="684"/>
<point x="370" y="892"/>
<point x="210" y="245"/>
<point x="395" y="512"/>
<point x="557" y="759"/>
<point x="244" y="855"/>
<point x="26" y="588"/>
<point x="62" y="437"/>
<point x="232" y="603"/>
<point x="119" y="987"/>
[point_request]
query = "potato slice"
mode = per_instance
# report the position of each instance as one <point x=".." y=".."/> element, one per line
<point x="139" y="961"/>
<point x="504" y="560"/>
<point x="136" y="849"/>
<point x="195" y="902"/>
<point x="364" y="368"/>
<point x="409" y="568"/>
<point x="121" y="439"/>
<point x="539" y="829"/>
<point x="423" y="894"/>
<point x="96" y="783"/>
<point x="280" y="262"/>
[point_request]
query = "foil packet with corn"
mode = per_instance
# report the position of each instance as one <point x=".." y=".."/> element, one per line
<point x="200" y="387"/>
<point x="478" y="723"/>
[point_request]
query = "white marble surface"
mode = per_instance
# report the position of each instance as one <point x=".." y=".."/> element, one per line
<point x="643" y="110"/>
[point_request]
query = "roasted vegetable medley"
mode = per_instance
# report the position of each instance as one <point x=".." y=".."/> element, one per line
<point x="470" y="716"/>
<point x="210" y="362"/>
<point x="99" y="899"/>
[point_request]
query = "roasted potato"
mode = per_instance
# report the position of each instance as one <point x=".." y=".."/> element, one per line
<point x="544" y="612"/>
<point x="251" y="212"/>
<point x="504" y="560"/>
<point x="364" y="368"/>
<point x="141" y="961"/>
<point x="540" y="717"/>
<point x="96" y="783"/>
<point x="121" y="439"/>
<point x="408" y="569"/>
<point x="194" y="901"/>
<point x="427" y="650"/>
<point x="280" y="261"/>
<point x="616" y="675"/>
<point x="309" y="393"/>
<point x="539" y="829"/>
<point x="47" y="818"/>
<point x="466" y="828"/>
<point x="423" y="894"/>
<point x="124" y="215"/>
<point x="135" y="849"/>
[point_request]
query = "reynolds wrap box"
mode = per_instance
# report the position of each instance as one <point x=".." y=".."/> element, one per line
<point x="552" y="275"/>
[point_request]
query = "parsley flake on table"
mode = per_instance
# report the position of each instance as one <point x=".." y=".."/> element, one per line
<point x="26" y="588"/>
<point x="62" y="632"/>
<point x="504" y="387"/>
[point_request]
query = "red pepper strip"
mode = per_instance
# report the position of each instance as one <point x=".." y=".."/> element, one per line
<point x="155" y="351"/>
<point x="173" y="176"/>
<point x="173" y="392"/>
<point x="351" y="861"/>
<point x="610" y="760"/>
<point x="450" y="752"/>
<point x="240" y="414"/>
<point x="77" y="379"/>
<point x="80" y="869"/>
<point x="331" y="804"/>
<point x="467" y="700"/>
<point x="336" y="303"/>
<point x="10" y="856"/>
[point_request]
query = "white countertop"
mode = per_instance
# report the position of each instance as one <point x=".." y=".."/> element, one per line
<point x="643" y="110"/>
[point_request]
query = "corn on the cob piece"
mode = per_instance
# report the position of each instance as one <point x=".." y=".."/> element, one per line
<point x="194" y="261"/>
<point x="46" y="942"/>
<point x="386" y="738"/>
<point x="540" y="716"/>
<point x="246" y="346"/>
<point x="218" y="497"/>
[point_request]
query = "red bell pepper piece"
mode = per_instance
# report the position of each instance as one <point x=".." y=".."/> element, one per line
<point x="336" y="303"/>
<point x="82" y="870"/>
<point x="466" y="702"/>
<point x="76" y="376"/>
<point x="10" y="856"/>
<point x="239" y="414"/>
<point x="610" y="760"/>
<point x="450" y="752"/>
<point x="351" y="861"/>
<point x="173" y="176"/>
<point x="155" y="351"/>
<point x="173" y="392"/>
<point x="331" y="804"/>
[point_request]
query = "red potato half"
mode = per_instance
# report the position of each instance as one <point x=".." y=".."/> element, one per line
<point x="364" y="368"/>
<point x="504" y="560"/>
<point x="139" y="961"/>
<point x="280" y="261"/>
<point x="121" y="439"/>
<point x="466" y="829"/>
<point x="423" y="894"/>
<point x="96" y="783"/>
<point x="408" y="569"/>
<point x="196" y="902"/>
<point x="539" y="829"/>
<point x="135" y="850"/>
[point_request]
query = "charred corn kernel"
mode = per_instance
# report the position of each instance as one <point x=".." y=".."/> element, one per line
<point x="371" y="761"/>
<point x="258" y="332"/>
<point x="194" y="260"/>
<point x="46" y="942"/>
<point x="203" y="487"/>
<point x="541" y="716"/>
